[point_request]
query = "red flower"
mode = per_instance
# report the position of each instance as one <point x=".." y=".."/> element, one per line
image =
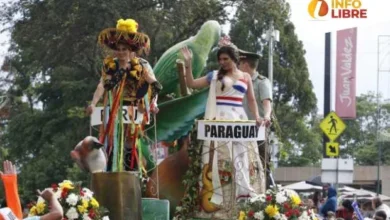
<point x="64" y="193"/>
<point x="296" y="212"/>
<point x="288" y="214"/>
<point x="91" y="214"/>
<point x="251" y="213"/>
<point x="55" y="187"/>
<point x="268" y="198"/>
<point x="286" y="205"/>
<point x="82" y="193"/>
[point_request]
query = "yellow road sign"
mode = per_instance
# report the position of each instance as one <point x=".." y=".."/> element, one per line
<point x="332" y="149"/>
<point x="332" y="126"/>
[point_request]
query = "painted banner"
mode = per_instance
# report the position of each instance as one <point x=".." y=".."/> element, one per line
<point x="230" y="131"/>
<point x="135" y="117"/>
<point x="346" y="73"/>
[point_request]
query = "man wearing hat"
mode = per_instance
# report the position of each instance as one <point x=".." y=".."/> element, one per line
<point x="263" y="93"/>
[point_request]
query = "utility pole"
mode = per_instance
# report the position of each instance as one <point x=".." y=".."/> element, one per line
<point x="378" y="106"/>
<point x="272" y="35"/>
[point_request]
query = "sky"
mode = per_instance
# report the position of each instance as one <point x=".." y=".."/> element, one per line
<point x="312" y="34"/>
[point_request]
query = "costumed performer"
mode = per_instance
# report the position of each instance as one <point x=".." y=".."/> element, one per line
<point x="127" y="81"/>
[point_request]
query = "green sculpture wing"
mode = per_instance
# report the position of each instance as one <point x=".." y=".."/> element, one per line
<point x="176" y="118"/>
<point x="200" y="45"/>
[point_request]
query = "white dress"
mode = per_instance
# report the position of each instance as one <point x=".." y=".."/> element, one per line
<point x="248" y="178"/>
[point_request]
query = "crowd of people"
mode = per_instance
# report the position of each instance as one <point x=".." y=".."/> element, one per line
<point x="328" y="206"/>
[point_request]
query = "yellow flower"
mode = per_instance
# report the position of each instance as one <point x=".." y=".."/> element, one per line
<point x="33" y="211"/>
<point x="94" y="203"/>
<point x="128" y="25"/>
<point x="296" y="200"/>
<point x="85" y="203"/>
<point x="134" y="61"/>
<point x="134" y="74"/>
<point x="81" y="209"/>
<point x="66" y="184"/>
<point x="40" y="207"/>
<point x="242" y="216"/>
<point x="110" y="63"/>
<point x="272" y="210"/>
<point x="137" y="67"/>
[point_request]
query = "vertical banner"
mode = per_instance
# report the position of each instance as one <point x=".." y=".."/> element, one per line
<point x="346" y="73"/>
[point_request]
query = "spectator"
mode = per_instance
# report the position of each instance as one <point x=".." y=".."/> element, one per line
<point x="378" y="205"/>
<point x="14" y="209"/>
<point x="380" y="215"/>
<point x="330" y="204"/>
<point x="317" y="201"/>
<point x="346" y="212"/>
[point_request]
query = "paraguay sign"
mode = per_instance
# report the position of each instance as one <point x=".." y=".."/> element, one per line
<point x="230" y="131"/>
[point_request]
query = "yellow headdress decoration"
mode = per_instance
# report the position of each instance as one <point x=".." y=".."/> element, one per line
<point x="129" y="25"/>
<point x="126" y="32"/>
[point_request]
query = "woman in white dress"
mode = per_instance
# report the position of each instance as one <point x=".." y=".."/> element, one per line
<point x="222" y="183"/>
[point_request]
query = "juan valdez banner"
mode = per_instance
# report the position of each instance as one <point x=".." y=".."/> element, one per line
<point x="346" y="73"/>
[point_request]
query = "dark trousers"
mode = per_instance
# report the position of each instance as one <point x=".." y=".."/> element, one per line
<point x="265" y="160"/>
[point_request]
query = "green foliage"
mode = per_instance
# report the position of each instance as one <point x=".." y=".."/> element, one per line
<point x="190" y="201"/>
<point x="359" y="139"/>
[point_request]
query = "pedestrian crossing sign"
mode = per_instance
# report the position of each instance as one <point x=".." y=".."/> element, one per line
<point x="332" y="126"/>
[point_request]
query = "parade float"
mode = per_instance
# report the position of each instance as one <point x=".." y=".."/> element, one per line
<point x="171" y="189"/>
<point x="119" y="190"/>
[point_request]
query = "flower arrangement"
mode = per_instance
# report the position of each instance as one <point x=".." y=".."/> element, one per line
<point x="78" y="203"/>
<point x="276" y="204"/>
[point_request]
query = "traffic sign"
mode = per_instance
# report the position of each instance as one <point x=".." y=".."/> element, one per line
<point x="332" y="149"/>
<point x="332" y="126"/>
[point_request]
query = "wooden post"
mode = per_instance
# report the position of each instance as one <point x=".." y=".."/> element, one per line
<point x="184" y="91"/>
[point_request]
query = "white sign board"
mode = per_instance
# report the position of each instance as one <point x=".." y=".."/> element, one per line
<point x="337" y="170"/>
<point x="230" y="131"/>
<point x="98" y="112"/>
<point x="7" y="214"/>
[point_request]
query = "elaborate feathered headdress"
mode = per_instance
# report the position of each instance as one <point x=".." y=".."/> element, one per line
<point x="126" y="32"/>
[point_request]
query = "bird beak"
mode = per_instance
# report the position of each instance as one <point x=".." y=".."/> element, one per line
<point x="97" y="145"/>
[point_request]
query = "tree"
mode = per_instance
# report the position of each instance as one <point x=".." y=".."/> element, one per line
<point x="359" y="139"/>
<point x="294" y="100"/>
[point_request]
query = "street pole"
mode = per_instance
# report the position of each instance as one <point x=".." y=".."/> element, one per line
<point x="327" y="84"/>
<point x="378" y="113"/>
<point x="271" y="53"/>
<point x="272" y="35"/>
<point x="377" y="120"/>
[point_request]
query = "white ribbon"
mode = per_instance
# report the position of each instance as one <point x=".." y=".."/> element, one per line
<point x="210" y="114"/>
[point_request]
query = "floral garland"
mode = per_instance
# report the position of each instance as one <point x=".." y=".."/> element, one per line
<point x="189" y="202"/>
<point x="77" y="202"/>
<point x="111" y="67"/>
<point x="276" y="204"/>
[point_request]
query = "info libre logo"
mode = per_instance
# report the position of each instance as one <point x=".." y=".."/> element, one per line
<point x="336" y="9"/>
